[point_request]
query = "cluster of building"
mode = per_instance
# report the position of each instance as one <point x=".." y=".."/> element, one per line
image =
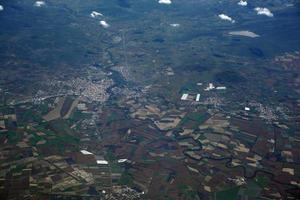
<point x="185" y="97"/>
<point x="90" y="90"/>
<point x="211" y="86"/>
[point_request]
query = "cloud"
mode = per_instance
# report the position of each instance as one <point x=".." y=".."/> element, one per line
<point x="39" y="3"/>
<point x="104" y="24"/>
<point x="264" y="11"/>
<point x="95" y="14"/>
<point x="243" y="3"/>
<point x="244" y="33"/>
<point x="1" y="8"/>
<point x="165" y="1"/>
<point x="226" y="18"/>
<point x="175" y="25"/>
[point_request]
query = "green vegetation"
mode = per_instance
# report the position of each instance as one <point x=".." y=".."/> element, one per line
<point x="188" y="192"/>
<point x="126" y="179"/>
<point x="35" y="139"/>
<point x="112" y="117"/>
<point x="110" y="155"/>
<point x="43" y="108"/>
<point x="78" y="115"/>
<point x="29" y="116"/>
<point x="169" y="198"/>
<point x="62" y="141"/>
<point x="17" y="168"/>
<point x="262" y="181"/>
<point x="188" y="87"/>
<point x="10" y="124"/>
<point x="115" y="167"/>
<point x="229" y="77"/>
<point x="245" y="138"/>
<point x="42" y="127"/>
<point x="12" y="136"/>
<point x="62" y="136"/>
<point x="202" y="137"/>
<point x="6" y="110"/>
<point x="195" y="118"/>
<point x="199" y="117"/>
<point x="252" y="190"/>
<point x="60" y="126"/>
<point x="227" y="194"/>
<point x="132" y="150"/>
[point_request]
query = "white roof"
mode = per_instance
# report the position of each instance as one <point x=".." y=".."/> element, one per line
<point x="198" y="97"/>
<point x="122" y="160"/>
<point x="184" y="96"/>
<point x="85" y="152"/>
<point x="102" y="162"/>
<point x="221" y="88"/>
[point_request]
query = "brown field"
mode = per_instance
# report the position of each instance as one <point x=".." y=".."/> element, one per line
<point x="55" y="113"/>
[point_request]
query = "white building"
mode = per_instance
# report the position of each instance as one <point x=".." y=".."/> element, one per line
<point x="221" y="88"/>
<point x="184" y="97"/>
<point x="210" y="87"/>
<point x="122" y="160"/>
<point x="198" y="97"/>
<point x="102" y="162"/>
<point x="85" y="152"/>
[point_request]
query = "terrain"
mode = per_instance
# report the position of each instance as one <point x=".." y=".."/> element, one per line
<point x="125" y="99"/>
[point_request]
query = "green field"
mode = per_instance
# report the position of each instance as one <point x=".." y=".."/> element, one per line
<point x="194" y="119"/>
<point x="228" y="194"/>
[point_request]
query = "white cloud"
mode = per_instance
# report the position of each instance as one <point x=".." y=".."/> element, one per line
<point x="243" y="3"/>
<point x="244" y="33"/>
<point x="1" y="8"/>
<point x="104" y="24"/>
<point x="226" y="18"/>
<point x="39" y="3"/>
<point x="95" y="14"/>
<point x="264" y="11"/>
<point x="175" y="25"/>
<point x="165" y="1"/>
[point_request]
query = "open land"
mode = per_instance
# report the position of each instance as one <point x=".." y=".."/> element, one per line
<point x="162" y="103"/>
